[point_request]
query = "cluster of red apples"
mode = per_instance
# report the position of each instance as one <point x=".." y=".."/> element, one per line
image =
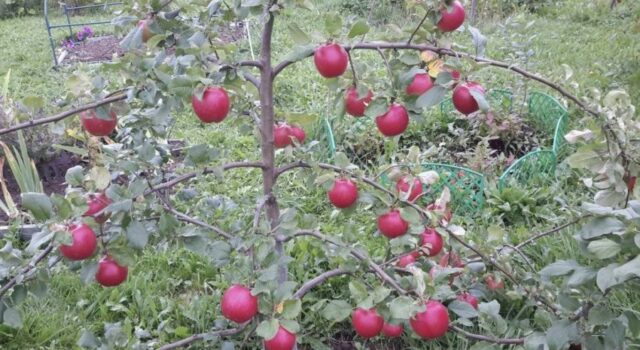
<point x="84" y="242"/>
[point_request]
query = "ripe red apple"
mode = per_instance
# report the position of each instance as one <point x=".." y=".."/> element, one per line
<point x="146" y="32"/>
<point x="431" y="240"/>
<point x="493" y="284"/>
<point x="421" y="83"/>
<point x="448" y="215"/>
<point x="331" y="60"/>
<point x="283" y="340"/>
<point x="96" y="126"/>
<point x="213" y="107"/>
<point x="96" y="203"/>
<point x="392" y="330"/>
<point x="282" y="135"/>
<point x="298" y="133"/>
<point x="468" y="298"/>
<point x="343" y="193"/>
<point x="403" y="186"/>
<point x="392" y="225"/>
<point x="455" y="75"/>
<point x="394" y="122"/>
<point x="367" y="323"/>
<point x="463" y="100"/>
<point x="433" y="322"/>
<point x="452" y="17"/>
<point x="83" y="243"/>
<point x="406" y="260"/>
<point x="238" y="304"/>
<point x="354" y="105"/>
<point x="110" y="274"/>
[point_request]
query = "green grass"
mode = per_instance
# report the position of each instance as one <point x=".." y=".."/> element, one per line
<point x="173" y="293"/>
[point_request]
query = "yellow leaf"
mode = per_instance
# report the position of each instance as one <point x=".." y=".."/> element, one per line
<point x="428" y="56"/>
<point x="435" y="67"/>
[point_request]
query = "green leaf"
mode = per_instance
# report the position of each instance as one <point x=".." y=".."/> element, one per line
<point x="38" y="204"/>
<point x="75" y="176"/>
<point x="88" y="271"/>
<point x="479" y="41"/>
<point x="12" y="318"/>
<point x="337" y="310"/>
<point x="358" y="290"/>
<point x="100" y="177"/>
<point x="341" y="160"/>
<point x="434" y="96"/>
<point x="628" y="270"/>
<point x="601" y="226"/>
<point x="291" y="325"/>
<point x="299" y="36"/>
<point x="88" y="340"/>
<point x="559" y="268"/>
<point x="410" y="214"/>
<point x="403" y="308"/>
<point x="332" y="24"/>
<point x="137" y="235"/>
<point x="605" y="278"/>
<point x="584" y="159"/>
<point x="291" y="309"/>
<point x="535" y="341"/>
<point x="267" y="329"/>
<point x="380" y="294"/>
<point x="300" y="52"/>
<point x="580" y="276"/>
<point x="462" y="309"/>
<point x="359" y="28"/>
<point x="604" y="248"/>
<point x="480" y="99"/>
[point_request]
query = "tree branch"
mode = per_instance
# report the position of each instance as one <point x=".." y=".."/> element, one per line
<point x="186" y="218"/>
<point x="358" y="255"/>
<point x="207" y="170"/>
<point x="550" y="232"/>
<point x="504" y="341"/>
<point x="63" y="115"/>
<point x="321" y="278"/>
<point x="32" y="264"/>
<point x="448" y="52"/>
<point x="196" y="337"/>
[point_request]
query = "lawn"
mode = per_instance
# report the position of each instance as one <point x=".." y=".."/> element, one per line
<point x="174" y="292"/>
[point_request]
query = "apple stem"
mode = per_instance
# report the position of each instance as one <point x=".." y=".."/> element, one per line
<point x="353" y="69"/>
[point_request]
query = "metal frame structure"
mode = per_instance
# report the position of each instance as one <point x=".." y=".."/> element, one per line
<point x="70" y="24"/>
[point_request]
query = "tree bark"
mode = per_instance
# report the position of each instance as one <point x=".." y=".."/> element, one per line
<point x="268" y="152"/>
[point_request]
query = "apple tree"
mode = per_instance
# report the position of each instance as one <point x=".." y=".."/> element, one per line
<point x="432" y="281"/>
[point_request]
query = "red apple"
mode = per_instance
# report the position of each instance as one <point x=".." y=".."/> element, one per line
<point x="468" y="298"/>
<point x="406" y="260"/>
<point x="213" y="107"/>
<point x="367" y="323"/>
<point x="392" y="225"/>
<point x="110" y="274"/>
<point x="238" y="304"/>
<point x="493" y="284"/>
<point x="83" y="243"/>
<point x="431" y="240"/>
<point x="403" y="186"/>
<point x="146" y="32"/>
<point x="392" y="330"/>
<point x="432" y="323"/>
<point x="96" y="203"/>
<point x="331" y="60"/>
<point x="464" y="102"/>
<point x="96" y="126"/>
<point x="394" y="122"/>
<point x="298" y="133"/>
<point x="421" y="83"/>
<point x="283" y="340"/>
<point x="343" y="193"/>
<point x="354" y="105"/>
<point x="452" y="17"/>
<point x="282" y="135"/>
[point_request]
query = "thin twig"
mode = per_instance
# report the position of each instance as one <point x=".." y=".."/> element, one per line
<point x="353" y="70"/>
<point x="550" y="232"/>
<point x="312" y="283"/>
<point x="32" y="264"/>
<point x="186" y="218"/>
<point x="418" y="27"/>
<point x="197" y="337"/>
<point x="504" y="341"/>
<point x="389" y="71"/>
<point x="63" y="115"/>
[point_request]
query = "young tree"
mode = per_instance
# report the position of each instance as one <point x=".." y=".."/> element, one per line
<point x="173" y="59"/>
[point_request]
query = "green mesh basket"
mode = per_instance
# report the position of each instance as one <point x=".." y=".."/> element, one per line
<point x="533" y="167"/>
<point x="560" y="146"/>
<point x="466" y="187"/>
<point x="497" y="98"/>
<point x="545" y="112"/>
